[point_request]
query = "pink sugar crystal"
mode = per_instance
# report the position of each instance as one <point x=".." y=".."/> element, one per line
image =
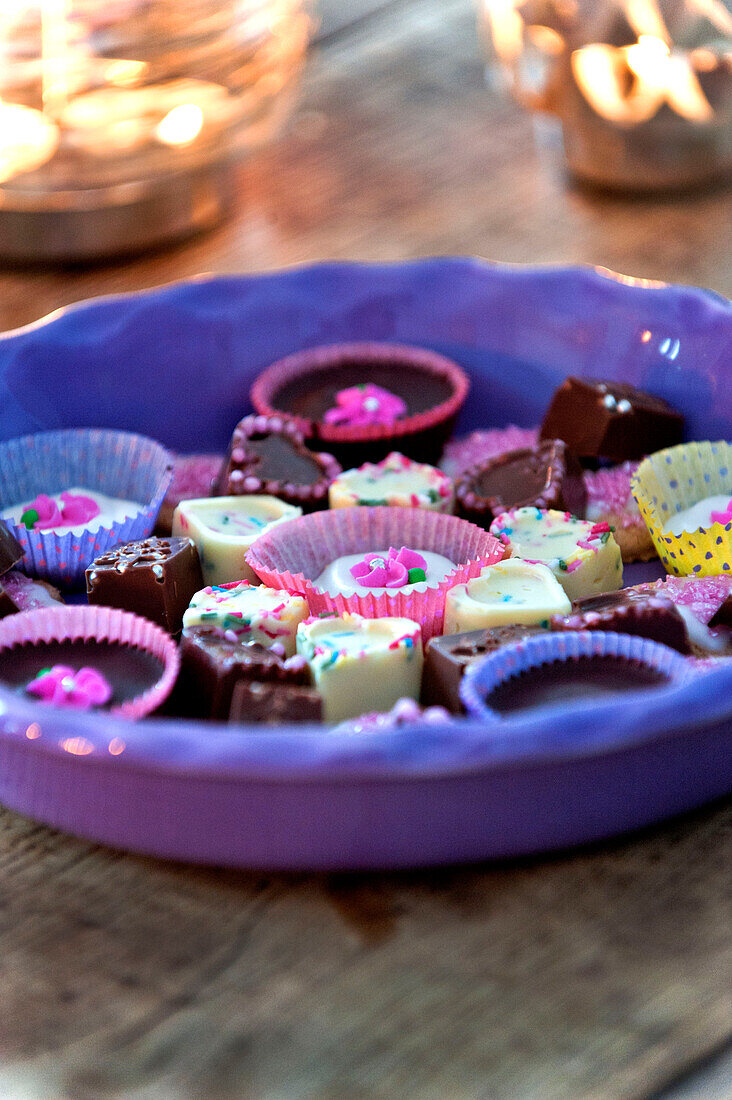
<point x="608" y="492"/>
<point x="703" y="596"/>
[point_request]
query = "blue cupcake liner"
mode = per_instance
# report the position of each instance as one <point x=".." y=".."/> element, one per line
<point x="119" y="464"/>
<point x="484" y="676"/>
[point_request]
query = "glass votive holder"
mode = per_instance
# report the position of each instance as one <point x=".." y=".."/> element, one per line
<point x="121" y="120"/>
<point x="642" y="88"/>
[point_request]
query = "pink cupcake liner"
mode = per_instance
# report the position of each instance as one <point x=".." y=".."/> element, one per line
<point x="293" y="554"/>
<point x="119" y="464"/>
<point x="86" y="623"/>
<point x="368" y="355"/>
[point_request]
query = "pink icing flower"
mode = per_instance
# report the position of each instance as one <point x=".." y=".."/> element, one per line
<point x="49" y="514"/>
<point x="75" y="509"/>
<point x="361" y="406"/>
<point x="392" y="571"/>
<point x="63" y="687"/>
<point x="78" y="509"/>
<point x="723" y="517"/>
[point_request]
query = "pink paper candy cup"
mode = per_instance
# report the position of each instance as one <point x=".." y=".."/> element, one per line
<point x="399" y="368"/>
<point x="100" y="624"/>
<point x="292" y="555"/>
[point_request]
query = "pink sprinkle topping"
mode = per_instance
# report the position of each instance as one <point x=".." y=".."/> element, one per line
<point x="702" y="595"/>
<point x="63" y="687"/>
<point x="389" y="572"/>
<point x="361" y="406"/>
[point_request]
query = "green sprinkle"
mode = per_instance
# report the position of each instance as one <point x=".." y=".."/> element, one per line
<point x="433" y="495"/>
<point x="415" y="575"/>
<point x="563" y="565"/>
<point x="604" y="537"/>
<point x="373" y="503"/>
<point x="29" y="517"/>
<point x="544" y="624"/>
<point x="210" y="615"/>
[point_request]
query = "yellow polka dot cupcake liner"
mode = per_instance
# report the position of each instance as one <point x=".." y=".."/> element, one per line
<point x="674" y="479"/>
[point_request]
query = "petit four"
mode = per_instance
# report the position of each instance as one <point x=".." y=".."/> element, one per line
<point x="583" y="556"/>
<point x="604" y="418"/>
<point x="11" y="552"/>
<point x="396" y="481"/>
<point x="213" y="661"/>
<point x="361" y="665"/>
<point x="361" y="401"/>
<point x="509" y="592"/>
<point x="544" y="476"/>
<point x="154" y="577"/>
<point x="268" y="455"/>
<point x="223" y="529"/>
<point x="251" y="613"/>
<point x="448" y="656"/>
<point x="379" y="571"/>
<point x="629" y="611"/>
<point x="551" y="669"/>
<point x="267" y="703"/>
<point x="460" y="455"/>
<point x="610" y="500"/>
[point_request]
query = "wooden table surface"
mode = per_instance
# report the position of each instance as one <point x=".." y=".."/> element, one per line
<point x="604" y="973"/>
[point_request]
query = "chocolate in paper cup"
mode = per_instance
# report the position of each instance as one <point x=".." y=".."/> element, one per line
<point x="292" y="555"/>
<point x="483" y="677"/>
<point x="399" y="368"/>
<point x="99" y="624"/>
<point x="674" y="479"/>
<point x="119" y="464"/>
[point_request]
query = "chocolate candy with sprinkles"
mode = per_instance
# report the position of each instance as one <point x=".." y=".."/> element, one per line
<point x="600" y="418"/>
<point x="268" y="455"/>
<point x="650" y="615"/>
<point x="154" y="577"/>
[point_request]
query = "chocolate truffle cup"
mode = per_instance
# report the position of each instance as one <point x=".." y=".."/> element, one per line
<point x="303" y="387"/>
<point x="44" y="628"/>
<point x="119" y="464"/>
<point x="541" y="650"/>
<point x="293" y="555"/>
<point x="242" y="473"/>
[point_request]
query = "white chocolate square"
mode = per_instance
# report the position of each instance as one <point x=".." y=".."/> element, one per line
<point x="223" y="529"/>
<point x="253" y="612"/>
<point x="509" y="592"/>
<point x="361" y="665"/>
<point x="583" y="556"/>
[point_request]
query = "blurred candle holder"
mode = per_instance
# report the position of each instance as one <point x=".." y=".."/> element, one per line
<point x="642" y="88"/>
<point x="121" y="121"/>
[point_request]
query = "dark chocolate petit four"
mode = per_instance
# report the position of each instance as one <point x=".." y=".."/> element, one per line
<point x="155" y="578"/>
<point x="545" y="476"/>
<point x="550" y="669"/>
<point x="213" y="661"/>
<point x="629" y="612"/>
<point x="271" y="704"/>
<point x="11" y="551"/>
<point x="268" y="455"/>
<point x="361" y="401"/>
<point x="605" y="419"/>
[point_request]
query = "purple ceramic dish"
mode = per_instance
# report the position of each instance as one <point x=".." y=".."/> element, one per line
<point x="307" y="797"/>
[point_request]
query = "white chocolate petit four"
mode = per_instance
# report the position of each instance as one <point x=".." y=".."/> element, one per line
<point x="223" y="529"/>
<point x="510" y="592"/>
<point x="397" y="482"/>
<point x="251" y="612"/>
<point x="584" y="557"/>
<point x="360" y="665"/>
<point x="715" y="509"/>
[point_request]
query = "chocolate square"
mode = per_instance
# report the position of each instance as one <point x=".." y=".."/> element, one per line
<point x="155" y="578"/>
<point x="600" y="418"/>
<point x="448" y="656"/>
<point x="212" y="664"/>
<point x="11" y="551"/>
<point x="274" y="703"/>
<point x="628" y="612"/>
